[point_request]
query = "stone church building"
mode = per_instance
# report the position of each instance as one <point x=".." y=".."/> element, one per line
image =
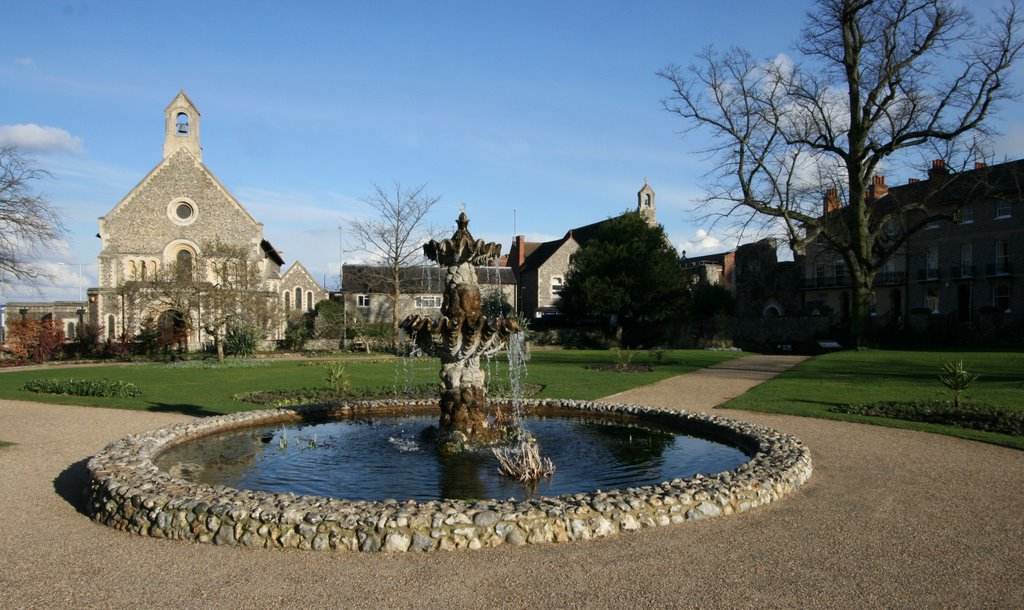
<point x="180" y="214"/>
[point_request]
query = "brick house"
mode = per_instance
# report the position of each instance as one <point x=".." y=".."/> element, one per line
<point x="953" y="273"/>
<point x="540" y="268"/>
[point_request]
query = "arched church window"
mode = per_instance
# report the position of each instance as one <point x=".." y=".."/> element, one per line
<point x="309" y="300"/>
<point x="143" y="270"/>
<point x="133" y="271"/>
<point x="287" y="300"/>
<point x="71" y="330"/>
<point x="183" y="260"/>
<point x="647" y="199"/>
<point x="181" y="122"/>
<point x="298" y="298"/>
<point x="110" y="326"/>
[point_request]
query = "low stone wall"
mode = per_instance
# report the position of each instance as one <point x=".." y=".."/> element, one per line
<point x="128" y="492"/>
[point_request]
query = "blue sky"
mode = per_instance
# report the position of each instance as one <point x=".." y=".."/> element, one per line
<point x="551" y="109"/>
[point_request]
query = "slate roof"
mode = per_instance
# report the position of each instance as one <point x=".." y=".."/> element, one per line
<point x="538" y="252"/>
<point x="1001" y="180"/>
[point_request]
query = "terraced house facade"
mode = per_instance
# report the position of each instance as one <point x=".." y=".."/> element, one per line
<point x="959" y="275"/>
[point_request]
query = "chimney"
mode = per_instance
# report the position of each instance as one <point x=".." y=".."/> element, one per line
<point x="938" y="169"/>
<point x="878" y="189"/>
<point x="517" y="255"/>
<point x="831" y="200"/>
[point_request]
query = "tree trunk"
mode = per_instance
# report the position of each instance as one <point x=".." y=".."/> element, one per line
<point x="860" y="306"/>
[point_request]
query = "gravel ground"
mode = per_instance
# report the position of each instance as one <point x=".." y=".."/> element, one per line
<point x="891" y="518"/>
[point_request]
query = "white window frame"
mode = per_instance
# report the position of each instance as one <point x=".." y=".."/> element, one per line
<point x="428" y="301"/>
<point x="1002" y="258"/>
<point x="364" y="301"/>
<point x="931" y="263"/>
<point x="1003" y="209"/>
<point x="966" y="259"/>
<point x="996" y="296"/>
<point x="557" y="284"/>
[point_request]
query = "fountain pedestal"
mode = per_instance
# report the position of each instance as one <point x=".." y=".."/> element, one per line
<point x="460" y="337"/>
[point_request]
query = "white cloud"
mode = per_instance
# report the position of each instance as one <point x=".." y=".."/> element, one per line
<point x="701" y="243"/>
<point x="33" y="138"/>
<point x="25" y="61"/>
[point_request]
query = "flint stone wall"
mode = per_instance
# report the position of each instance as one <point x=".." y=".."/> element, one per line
<point x="128" y="492"/>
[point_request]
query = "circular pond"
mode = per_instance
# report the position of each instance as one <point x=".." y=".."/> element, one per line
<point x="129" y="491"/>
<point x="360" y="458"/>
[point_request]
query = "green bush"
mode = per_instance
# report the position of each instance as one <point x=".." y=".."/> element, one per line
<point x="973" y="416"/>
<point x="213" y="364"/>
<point x="83" y="387"/>
<point x="242" y="340"/>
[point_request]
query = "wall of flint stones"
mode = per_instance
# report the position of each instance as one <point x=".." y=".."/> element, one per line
<point x="128" y="492"/>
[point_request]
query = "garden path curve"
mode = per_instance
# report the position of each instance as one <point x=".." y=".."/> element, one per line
<point x="890" y="518"/>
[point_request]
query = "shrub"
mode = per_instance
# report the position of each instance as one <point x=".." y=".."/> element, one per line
<point x="83" y="387"/>
<point x="38" y="340"/>
<point x="241" y="340"/>
<point x="297" y="331"/>
<point x="965" y="415"/>
<point x="955" y="377"/>
<point x="213" y="364"/>
<point x="88" y="337"/>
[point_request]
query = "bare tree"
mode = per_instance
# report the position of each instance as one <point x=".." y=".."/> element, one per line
<point x="28" y="221"/>
<point x="394" y="239"/>
<point x="880" y="81"/>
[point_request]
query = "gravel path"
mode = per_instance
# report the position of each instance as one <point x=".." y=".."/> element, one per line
<point x="891" y="518"/>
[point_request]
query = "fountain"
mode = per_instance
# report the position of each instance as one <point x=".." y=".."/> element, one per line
<point x="142" y="484"/>
<point x="460" y="337"/>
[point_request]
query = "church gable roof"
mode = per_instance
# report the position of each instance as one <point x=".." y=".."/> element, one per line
<point x="180" y="175"/>
<point x="298" y="271"/>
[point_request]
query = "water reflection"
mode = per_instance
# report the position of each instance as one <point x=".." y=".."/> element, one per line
<point x="388" y="457"/>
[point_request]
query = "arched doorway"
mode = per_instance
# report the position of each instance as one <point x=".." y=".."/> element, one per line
<point x="172" y="330"/>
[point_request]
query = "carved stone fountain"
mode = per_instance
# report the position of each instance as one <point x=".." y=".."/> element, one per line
<point x="459" y="338"/>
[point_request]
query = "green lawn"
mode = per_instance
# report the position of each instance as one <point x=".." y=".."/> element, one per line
<point x="854" y="377"/>
<point x="195" y="391"/>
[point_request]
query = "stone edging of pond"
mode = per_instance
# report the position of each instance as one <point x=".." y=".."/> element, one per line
<point x="128" y="492"/>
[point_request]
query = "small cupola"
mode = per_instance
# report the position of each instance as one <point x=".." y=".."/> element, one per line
<point x="181" y="118"/>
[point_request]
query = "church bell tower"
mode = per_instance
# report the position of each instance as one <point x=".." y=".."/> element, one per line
<point x="182" y="127"/>
<point x="645" y="203"/>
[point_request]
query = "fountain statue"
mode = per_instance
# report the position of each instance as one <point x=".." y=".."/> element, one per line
<point x="460" y="337"/>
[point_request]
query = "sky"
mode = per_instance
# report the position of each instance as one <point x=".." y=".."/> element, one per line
<point x="537" y="116"/>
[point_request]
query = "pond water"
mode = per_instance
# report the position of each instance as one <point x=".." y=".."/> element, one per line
<point x="386" y="457"/>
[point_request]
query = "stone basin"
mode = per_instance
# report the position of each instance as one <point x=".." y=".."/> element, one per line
<point x="129" y="492"/>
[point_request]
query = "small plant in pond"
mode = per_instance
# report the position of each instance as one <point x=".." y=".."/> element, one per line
<point x="955" y="377"/>
<point x="523" y="462"/>
<point x="282" y="441"/>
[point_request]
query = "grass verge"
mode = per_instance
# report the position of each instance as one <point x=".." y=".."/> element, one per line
<point x="874" y="376"/>
<point x="208" y="391"/>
